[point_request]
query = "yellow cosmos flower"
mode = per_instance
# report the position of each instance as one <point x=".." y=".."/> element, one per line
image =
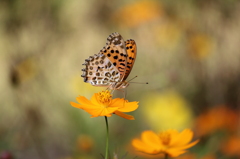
<point x="170" y="142"/>
<point x="102" y="104"/>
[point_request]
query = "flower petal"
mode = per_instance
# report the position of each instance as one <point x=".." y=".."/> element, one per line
<point x="182" y="138"/>
<point x="178" y="150"/>
<point x="94" y="111"/>
<point x="112" y="109"/>
<point x="124" y="105"/>
<point x="152" y="140"/>
<point x="83" y="100"/>
<point x="126" y="116"/>
<point x="188" y="145"/>
<point x="109" y="115"/>
<point x="94" y="99"/>
<point x="76" y="105"/>
<point x="141" y="146"/>
<point x="105" y="112"/>
<point x="129" y="106"/>
<point x="84" y="107"/>
<point x="174" y="153"/>
<point x="117" y="102"/>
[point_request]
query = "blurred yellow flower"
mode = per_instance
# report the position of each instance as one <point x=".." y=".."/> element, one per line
<point x="217" y="118"/>
<point x="102" y="104"/>
<point x="200" y="45"/>
<point x="137" y="13"/>
<point x="167" y="106"/>
<point x="170" y="142"/>
<point x="168" y="35"/>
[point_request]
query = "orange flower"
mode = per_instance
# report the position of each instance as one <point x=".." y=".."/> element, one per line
<point x="85" y="143"/>
<point x="217" y="118"/>
<point x="170" y="142"/>
<point x="232" y="146"/>
<point x="138" y="13"/>
<point x="102" y="104"/>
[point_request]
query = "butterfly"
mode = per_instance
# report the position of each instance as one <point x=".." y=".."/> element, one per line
<point x="112" y="65"/>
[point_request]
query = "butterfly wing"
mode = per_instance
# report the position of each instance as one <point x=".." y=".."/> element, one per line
<point x="131" y="48"/>
<point x="115" y="51"/>
<point x="100" y="71"/>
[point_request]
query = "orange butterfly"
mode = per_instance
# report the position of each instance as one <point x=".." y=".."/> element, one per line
<point x="112" y="65"/>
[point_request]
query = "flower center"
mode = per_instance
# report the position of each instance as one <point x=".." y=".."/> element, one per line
<point x="104" y="97"/>
<point x="165" y="138"/>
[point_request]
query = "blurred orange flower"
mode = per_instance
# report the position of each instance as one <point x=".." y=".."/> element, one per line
<point x="170" y="142"/>
<point x="139" y="12"/>
<point x="102" y="104"/>
<point x="85" y="143"/>
<point x="232" y="146"/>
<point x="220" y="117"/>
<point x="194" y="156"/>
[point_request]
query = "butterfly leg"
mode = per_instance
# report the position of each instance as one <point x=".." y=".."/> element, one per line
<point x="124" y="93"/>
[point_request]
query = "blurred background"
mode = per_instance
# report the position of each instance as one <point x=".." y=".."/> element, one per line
<point x="188" y="52"/>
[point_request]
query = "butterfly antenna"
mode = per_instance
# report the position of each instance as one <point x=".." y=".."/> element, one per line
<point x="136" y="82"/>
<point x="132" y="78"/>
<point x="139" y="82"/>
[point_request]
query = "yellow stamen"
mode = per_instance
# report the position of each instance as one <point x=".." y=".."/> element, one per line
<point x="165" y="138"/>
<point x="104" y="97"/>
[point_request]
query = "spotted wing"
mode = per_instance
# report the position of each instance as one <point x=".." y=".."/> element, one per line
<point x="115" y="51"/>
<point x="131" y="48"/>
<point x="100" y="71"/>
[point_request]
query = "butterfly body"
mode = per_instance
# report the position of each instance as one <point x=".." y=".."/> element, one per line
<point x="112" y="65"/>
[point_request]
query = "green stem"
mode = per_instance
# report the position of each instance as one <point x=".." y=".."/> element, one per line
<point x="106" y="152"/>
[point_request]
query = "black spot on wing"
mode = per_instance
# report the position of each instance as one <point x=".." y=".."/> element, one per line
<point x="121" y="68"/>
